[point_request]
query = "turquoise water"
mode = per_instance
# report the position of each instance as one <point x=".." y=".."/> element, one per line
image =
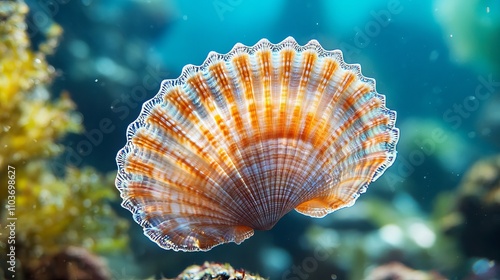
<point x="440" y="76"/>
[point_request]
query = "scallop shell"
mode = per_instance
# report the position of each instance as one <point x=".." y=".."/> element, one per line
<point x="236" y="143"/>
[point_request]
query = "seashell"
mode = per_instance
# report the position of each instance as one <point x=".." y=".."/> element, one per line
<point x="236" y="143"/>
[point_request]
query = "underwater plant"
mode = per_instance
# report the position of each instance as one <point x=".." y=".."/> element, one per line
<point x="474" y="218"/>
<point x="51" y="211"/>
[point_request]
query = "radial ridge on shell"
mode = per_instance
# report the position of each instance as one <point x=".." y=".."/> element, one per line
<point x="233" y="145"/>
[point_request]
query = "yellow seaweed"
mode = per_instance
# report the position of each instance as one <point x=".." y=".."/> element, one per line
<point x="52" y="211"/>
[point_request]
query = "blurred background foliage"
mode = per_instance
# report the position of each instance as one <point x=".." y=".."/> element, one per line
<point x="59" y="208"/>
<point x="74" y="74"/>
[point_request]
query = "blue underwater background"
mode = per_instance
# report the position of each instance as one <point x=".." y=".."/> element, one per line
<point x="436" y="210"/>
